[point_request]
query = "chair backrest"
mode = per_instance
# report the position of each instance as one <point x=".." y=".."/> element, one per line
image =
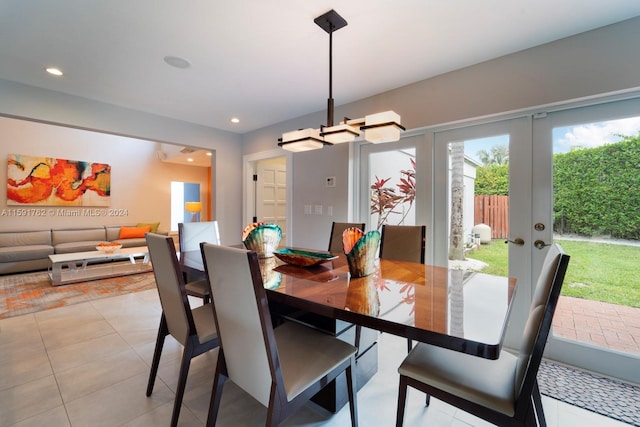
<point x="335" y="239"/>
<point x="403" y="242"/>
<point x="242" y="318"/>
<point x="170" y="284"/>
<point x="538" y="326"/>
<point x="190" y="234"/>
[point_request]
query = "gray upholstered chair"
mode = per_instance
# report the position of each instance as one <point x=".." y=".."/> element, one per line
<point x="194" y="329"/>
<point x="403" y="243"/>
<point x="281" y="368"/>
<point x="335" y="238"/>
<point x="503" y="391"/>
<point x="190" y="234"/>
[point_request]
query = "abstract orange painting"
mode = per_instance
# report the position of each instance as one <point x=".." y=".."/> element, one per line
<point x="57" y="182"/>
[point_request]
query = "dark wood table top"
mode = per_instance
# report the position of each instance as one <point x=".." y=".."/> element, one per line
<point x="457" y="309"/>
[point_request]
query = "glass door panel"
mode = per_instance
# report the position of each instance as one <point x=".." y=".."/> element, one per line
<point x="595" y="159"/>
<point x="388" y="179"/>
<point x="484" y="204"/>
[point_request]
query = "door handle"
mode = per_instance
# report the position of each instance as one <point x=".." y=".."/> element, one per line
<point x="540" y="244"/>
<point x="518" y="241"/>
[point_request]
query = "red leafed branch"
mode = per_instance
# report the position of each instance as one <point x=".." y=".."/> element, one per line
<point x="385" y="199"/>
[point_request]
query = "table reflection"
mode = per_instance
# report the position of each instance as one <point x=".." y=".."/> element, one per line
<point x="457" y="303"/>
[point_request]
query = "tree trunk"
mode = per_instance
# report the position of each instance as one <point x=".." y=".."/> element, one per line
<point x="456" y="243"/>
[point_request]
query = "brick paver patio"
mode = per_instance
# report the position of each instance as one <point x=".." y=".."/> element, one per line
<point x="606" y="325"/>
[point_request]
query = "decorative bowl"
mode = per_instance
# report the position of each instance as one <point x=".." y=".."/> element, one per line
<point x="361" y="250"/>
<point x="303" y="258"/>
<point x="262" y="238"/>
<point x="108" y="248"/>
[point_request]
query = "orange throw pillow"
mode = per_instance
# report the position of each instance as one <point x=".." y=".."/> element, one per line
<point x="133" y="232"/>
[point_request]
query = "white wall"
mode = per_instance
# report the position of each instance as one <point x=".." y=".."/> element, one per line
<point x="140" y="183"/>
<point x="585" y="65"/>
<point x="26" y="102"/>
<point x="589" y="64"/>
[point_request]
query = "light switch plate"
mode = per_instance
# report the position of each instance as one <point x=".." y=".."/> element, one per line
<point x="330" y="181"/>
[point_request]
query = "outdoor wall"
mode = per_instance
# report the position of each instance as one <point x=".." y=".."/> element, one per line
<point x="140" y="183"/>
<point x="34" y="104"/>
<point x="582" y="66"/>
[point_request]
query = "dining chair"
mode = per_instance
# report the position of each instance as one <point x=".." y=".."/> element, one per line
<point x="194" y="329"/>
<point x="335" y="238"/>
<point x="283" y="367"/>
<point x="190" y="234"/>
<point x="403" y="243"/>
<point x="502" y="391"/>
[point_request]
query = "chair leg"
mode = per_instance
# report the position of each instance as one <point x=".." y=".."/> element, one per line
<point x="352" y="393"/>
<point x="409" y="345"/>
<point x="187" y="355"/>
<point x="162" y="333"/>
<point x="275" y="410"/>
<point x="402" y="400"/>
<point x="219" y="379"/>
<point x="536" y="399"/>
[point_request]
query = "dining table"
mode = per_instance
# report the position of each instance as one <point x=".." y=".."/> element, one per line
<point x="454" y="308"/>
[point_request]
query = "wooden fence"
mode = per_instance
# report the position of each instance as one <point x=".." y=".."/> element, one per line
<point x="493" y="211"/>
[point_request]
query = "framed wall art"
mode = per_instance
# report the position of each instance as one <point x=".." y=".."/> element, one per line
<point x="48" y="181"/>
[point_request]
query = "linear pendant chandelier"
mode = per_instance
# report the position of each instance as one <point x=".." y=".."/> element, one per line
<point x="377" y="128"/>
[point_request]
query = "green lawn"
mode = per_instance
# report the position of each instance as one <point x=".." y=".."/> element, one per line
<point x="597" y="271"/>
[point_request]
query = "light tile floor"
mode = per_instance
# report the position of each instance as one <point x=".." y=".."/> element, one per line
<point x="87" y="365"/>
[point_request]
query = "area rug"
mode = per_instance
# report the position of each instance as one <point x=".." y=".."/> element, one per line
<point x="31" y="292"/>
<point x="605" y="396"/>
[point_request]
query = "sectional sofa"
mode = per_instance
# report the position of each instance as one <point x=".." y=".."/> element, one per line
<point x="30" y="250"/>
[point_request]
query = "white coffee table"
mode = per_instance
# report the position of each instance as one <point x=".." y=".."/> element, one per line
<point x="80" y="266"/>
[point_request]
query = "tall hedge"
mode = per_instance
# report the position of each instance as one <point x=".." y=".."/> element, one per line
<point x="597" y="190"/>
<point x="492" y="180"/>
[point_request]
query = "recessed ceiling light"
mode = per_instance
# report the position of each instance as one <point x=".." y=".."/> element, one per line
<point x="235" y="120"/>
<point x="176" y="61"/>
<point x="54" y="71"/>
<point x="209" y="153"/>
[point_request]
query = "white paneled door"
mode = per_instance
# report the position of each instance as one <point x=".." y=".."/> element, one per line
<point x="271" y="192"/>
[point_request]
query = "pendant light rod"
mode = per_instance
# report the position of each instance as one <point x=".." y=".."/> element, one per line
<point x="330" y="22"/>
<point x="330" y="99"/>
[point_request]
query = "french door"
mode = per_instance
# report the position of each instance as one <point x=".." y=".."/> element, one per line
<point x="601" y="338"/>
<point x="448" y="160"/>
<point x="458" y="154"/>
<point x="531" y="143"/>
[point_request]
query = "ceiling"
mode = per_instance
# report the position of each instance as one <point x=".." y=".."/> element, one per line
<point x="190" y="156"/>
<point x="266" y="61"/>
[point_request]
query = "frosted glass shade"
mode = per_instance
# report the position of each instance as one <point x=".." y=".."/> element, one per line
<point x="302" y="140"/>
<point x="382" y="127"/>
<point x="339" y="134"/>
